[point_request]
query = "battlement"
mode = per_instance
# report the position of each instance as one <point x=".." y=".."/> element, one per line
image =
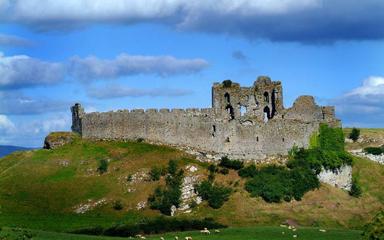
<point x="243" y="122"/>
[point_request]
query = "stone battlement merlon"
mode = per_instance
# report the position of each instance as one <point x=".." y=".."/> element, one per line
<point x="243" y="122"/>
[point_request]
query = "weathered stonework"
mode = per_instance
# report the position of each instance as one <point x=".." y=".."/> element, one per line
<point x="243" y="123"/>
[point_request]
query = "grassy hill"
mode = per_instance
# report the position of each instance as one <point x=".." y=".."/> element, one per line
<point x="41" y="189"/>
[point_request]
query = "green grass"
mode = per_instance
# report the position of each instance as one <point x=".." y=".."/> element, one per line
<point x="254" y="233"/>
<point x="37" y="192"/>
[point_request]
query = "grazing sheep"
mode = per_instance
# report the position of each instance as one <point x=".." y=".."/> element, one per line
<point x="217" y="230"/>
<point x="282" y="225"/>
<point x="295" y="236"/>
<point x="161" y="238"/>
<point x="176" y="238"/>
<point x="142" y="237"/>
<point x="322" y="230"/>
<point x="205" y="231"/>
<point x="188" y="238"/>
<point x="138" y="235"/>
<point x="294" y="229"/>
<point x="283" y="233"/>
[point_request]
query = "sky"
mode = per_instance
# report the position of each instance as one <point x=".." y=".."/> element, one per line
<point x="126" y="54"/>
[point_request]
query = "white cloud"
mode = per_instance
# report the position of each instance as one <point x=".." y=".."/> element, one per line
<point x="364" y="105"/>
<point x="22" y="71"/>
<point x="124" y="65"/>
<point x="277" y="20"/>
<point x="6" y="125"/>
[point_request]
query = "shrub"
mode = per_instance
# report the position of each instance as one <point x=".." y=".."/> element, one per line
<point x="155" y="173"/>
<point x="118" y="205"/>
<point x="355" y="188"/>
<point x="355" y="134"/>
<point x="249" y="171"/>
<point x="227" y="83"/>
<point x="216" y="195"/>
<point x="231" y="164"/>
<point x="276" y="183"/>
<point x="140" y="140"/>
<point x="331" y="138"/>
<point x="164" y="198"/>
<point x="103" y="166"/>
<point x="374" y="150"/>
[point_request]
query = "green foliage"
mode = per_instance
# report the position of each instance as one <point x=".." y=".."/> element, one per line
<point x="152" y="226"/>
<point x="314" y="140"/>
<point x="231" y="164"/>
<point x="375" y="229"/>
<point x="275" y="183"/>
<point x="331" y="139"/>
<point x="103" y="166"/>
<point x="215" y="194"/>
<point x="155" y="173"/>
<point x="355" y="188"/>
<point x="164" y="198"/>
<point x="227" y="83"/>
<point x="317" y="158"/>
<point x="355" y="134"/>
<point x="118" y="205"/>
<point x="374" y="150"/>
<point x="248" y="172"/>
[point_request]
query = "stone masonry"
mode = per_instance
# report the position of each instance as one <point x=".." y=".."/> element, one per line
<point x="244" y="122"/>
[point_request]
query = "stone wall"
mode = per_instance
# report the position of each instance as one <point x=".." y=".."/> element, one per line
<point x="216" y="130"/>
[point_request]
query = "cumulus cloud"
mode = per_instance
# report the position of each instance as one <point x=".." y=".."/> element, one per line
<point x="364" y="105"/>
<point x="14" y="41"/>
<point x="6" y="125"/>
<point x="124" y="65"/>
<point x="20" y="71"/>
<point x="116" y="91"/>
<point x="277" y="20"/>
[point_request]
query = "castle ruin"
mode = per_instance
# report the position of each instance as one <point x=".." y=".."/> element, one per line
<point x="247" y="123"/>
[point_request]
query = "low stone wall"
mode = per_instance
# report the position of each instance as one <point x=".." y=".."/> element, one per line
<point x="375" y="158"/>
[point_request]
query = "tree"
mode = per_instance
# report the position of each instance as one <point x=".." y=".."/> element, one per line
<point x="103" y="166"/>
<point x="355" y="134"/>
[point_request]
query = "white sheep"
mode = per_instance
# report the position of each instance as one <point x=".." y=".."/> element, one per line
<point x="188" y="238"/>
<point x="176" y="238"/>
<point x="322" y="230"/>
<point x="161" y="238"/>
<point x="205" y="231"/>
<point x="217" y="230"/>
<point x="142" y="237"/>
<point x="295" y="236"/>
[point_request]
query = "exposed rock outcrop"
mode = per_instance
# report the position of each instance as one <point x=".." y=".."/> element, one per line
<point x="340" y="178"/>
<point x="57" y="139"/>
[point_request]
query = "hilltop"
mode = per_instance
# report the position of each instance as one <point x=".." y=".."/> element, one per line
<point x="49" y="190"/>
<point x="6" y="149"/>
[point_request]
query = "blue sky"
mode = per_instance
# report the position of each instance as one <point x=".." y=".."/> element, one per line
<point x="120" y="54"/>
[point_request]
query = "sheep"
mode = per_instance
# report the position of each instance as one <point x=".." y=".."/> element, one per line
<point x="161" y="238"/>
<point x="176" y="238"/>
<point x="322" y="230"/>
<point x="142" y="237"/>
<point x="217" y="230"/>
<point x="295" y="236"/>
<point x="205" y="231"/>
<point x="188" y="238"/>
<point x="138" y="235"/>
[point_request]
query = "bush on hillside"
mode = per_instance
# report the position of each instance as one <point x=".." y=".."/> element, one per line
<point x="118" y="205"/>
<point x="103" y="166"/>
<point x="215" y="194"/>
<point x="330" y="138"/>
<point x="155" y="173"/>
<point x="374" y="150"/>
<point x="355" y="188"/>
<point x="164" y="198"/>
<point x="231" y="164"/>
<point x="355" y="134"/>
<point x="277" y="183"/>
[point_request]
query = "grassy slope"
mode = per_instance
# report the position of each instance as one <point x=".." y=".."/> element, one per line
<point x="255" y="233"/>
<point x="37" y="192"/>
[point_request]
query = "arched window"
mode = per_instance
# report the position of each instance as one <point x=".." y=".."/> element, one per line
<point x="227" y="98"/>
<point x="267" y="114"/>
<point x="230" y="111"/>
<point x="266" y="97"/>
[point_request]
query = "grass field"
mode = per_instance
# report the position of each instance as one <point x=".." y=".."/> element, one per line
<point x="254" y="233"/>
<point x="40" y="190"/>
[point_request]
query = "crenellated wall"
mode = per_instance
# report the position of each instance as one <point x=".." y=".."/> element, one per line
<point x="245" y="136"/>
